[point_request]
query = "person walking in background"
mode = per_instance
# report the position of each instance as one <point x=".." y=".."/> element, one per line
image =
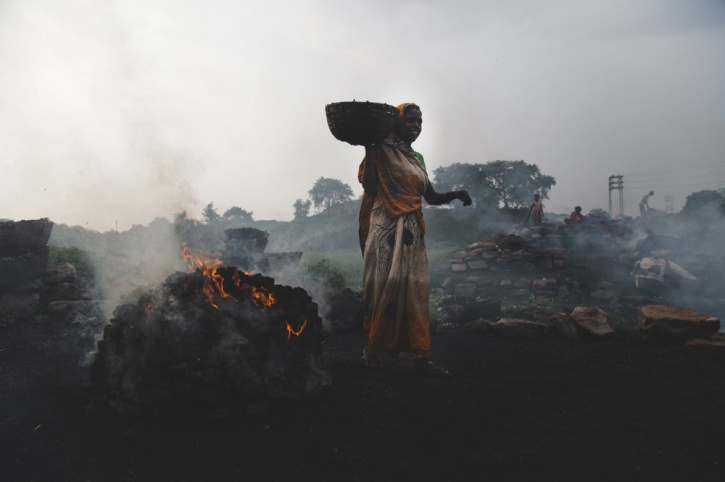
<point x="644" y="204"/>
<point x="536" y="211"/>
<point x="396" y="282"/>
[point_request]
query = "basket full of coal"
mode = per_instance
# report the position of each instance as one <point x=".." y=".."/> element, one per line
<point x="360" y="123"/>
<point x="209" y="342"/>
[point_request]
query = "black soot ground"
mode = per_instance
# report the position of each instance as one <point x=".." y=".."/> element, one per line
<point x="515" y="409"/>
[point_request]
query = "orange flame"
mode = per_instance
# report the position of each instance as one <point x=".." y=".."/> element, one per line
<point x="258" y="297"/>
<point x="207" y="263"/>
<point x="214" y="282"/>
<point x="291" y="331"/>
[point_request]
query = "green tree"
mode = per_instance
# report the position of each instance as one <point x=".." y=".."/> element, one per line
<point x="302" y="208"/>
<point x="327" y="192"/>
<point x="507" y="184"/>
<point x="706" y="202"/>
<point x="470" y="177"/>
<point x="515" y="182"/>
<point x="235" y="213"/>
<point x="183" y="223"/>
<point x="210" y="214"/>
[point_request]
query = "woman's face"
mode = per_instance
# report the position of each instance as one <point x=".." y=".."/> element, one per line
<point x="413" y="124"/>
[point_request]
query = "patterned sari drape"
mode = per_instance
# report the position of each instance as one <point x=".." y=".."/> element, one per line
<point x="395" y="268"/>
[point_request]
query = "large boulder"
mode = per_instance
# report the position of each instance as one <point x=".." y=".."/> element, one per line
<point x="677" y="322"/>
<point x="21" y="237"/>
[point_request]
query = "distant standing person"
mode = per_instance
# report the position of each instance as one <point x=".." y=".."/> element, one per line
<point x="536" y="211"/>
<point x="644" y="204"/>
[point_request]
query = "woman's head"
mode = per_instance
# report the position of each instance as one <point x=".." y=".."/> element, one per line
<point x="536" y="197"/>
<point x="409" y="123"/>
<point x="578" y="209"/>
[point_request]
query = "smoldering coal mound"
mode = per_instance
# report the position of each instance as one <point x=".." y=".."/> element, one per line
<point x="170" y="350"/>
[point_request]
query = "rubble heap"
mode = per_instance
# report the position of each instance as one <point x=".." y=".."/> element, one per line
<point x="27" y="288"/>
<point x="606" y="265"/>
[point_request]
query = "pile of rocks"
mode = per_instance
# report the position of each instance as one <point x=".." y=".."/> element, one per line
<point x="558" y="261"/>
<point x="27" y="289"/>
<point x="593" y="275"/>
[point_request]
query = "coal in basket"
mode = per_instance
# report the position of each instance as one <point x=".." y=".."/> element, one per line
<point x="360" y="123"/>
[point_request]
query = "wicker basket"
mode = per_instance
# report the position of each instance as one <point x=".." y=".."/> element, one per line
<point x="360" y="123"/>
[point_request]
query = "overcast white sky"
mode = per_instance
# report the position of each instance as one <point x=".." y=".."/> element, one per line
<point x="122" y="111"/>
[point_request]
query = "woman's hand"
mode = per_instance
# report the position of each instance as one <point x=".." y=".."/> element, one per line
<point x="463" y="196"/>
<point x="436" y="199"/>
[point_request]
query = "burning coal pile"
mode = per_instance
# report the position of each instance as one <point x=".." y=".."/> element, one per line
<point x="213" y="340"/>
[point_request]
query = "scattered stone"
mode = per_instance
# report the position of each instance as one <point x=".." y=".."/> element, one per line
<point x="675" y="321"/>
<point x="592" y="320"/>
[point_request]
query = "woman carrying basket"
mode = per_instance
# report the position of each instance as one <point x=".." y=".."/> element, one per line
<point x="395" y="265"/>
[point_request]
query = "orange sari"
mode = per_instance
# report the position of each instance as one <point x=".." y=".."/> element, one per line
<point x="395" y="264"/>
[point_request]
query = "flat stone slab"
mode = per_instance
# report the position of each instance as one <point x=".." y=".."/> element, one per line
<point x="675" y="321"/>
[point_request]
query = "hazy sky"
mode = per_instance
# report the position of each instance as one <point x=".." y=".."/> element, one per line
<point x="122" y="111"/>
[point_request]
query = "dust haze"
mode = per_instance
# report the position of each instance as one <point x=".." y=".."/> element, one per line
<point x="115" y="113"/>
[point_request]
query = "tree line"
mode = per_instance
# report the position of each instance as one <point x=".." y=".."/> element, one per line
<point x="496" y="184"/>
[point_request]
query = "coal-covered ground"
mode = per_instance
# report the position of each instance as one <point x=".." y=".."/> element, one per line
<point x="516" y="409"/>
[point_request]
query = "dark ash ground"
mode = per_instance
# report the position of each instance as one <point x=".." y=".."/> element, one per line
<point x="547" y="409"/>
